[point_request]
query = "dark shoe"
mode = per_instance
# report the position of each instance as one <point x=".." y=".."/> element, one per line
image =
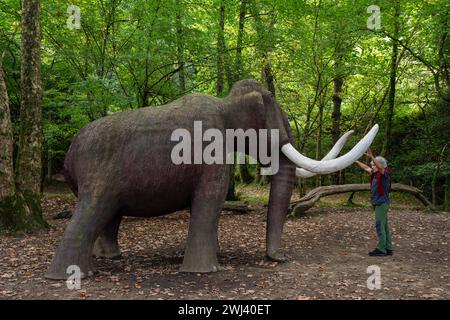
<point x="389" y="252"/>
<point x="377" y="253"/>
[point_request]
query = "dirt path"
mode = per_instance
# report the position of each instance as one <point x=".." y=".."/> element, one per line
<point x="327" y="251"/>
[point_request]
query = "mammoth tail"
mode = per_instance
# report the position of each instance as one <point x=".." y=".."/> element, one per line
<point x="69" y="172"/>
<point x="70" y="180"/>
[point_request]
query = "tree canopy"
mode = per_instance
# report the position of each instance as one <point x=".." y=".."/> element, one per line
<point x="329" y="65"/>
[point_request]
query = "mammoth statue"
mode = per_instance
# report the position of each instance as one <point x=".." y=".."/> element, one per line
<point x="122" y="165"/>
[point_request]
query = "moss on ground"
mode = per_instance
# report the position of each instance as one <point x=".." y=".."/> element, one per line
<point x="21" y="212"/>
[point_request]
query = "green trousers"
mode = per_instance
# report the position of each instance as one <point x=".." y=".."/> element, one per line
<point x="382" y="226"/>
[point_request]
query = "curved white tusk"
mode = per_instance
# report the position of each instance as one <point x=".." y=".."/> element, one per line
<point x="334" y="152"/>
<point x="302" y="173"/>
<point x="332" y="165"/>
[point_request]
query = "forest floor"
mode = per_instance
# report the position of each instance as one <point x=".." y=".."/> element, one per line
<point x="327" y="252"/>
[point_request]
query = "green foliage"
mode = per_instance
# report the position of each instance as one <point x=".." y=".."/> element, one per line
<point x="129" y="54"/>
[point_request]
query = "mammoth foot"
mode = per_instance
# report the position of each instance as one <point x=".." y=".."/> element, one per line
<point x="67" y="264"/>
<point x="200" y="263"/>
<point x="106" y="249"/>
<point x="73" y="258"/>
<point x="199" y="268"/>
<point x="276" y="256"/>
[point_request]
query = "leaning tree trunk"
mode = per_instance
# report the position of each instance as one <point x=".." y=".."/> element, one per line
<point x="21" y="209"/>
<point x="299" y="207"/>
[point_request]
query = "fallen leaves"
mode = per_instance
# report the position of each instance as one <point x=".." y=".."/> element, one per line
<point x="327" y="249"/>
<point x="82" y="294"/>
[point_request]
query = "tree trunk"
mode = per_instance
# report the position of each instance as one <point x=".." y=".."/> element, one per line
<point x="237" y="75"/>
<point x="350" y="199"/>
<point x="49" y="169"/>
<point x="301" y="187"/>
<point x="319" y="140"/>
<point x="29" y="159"/>
<point x="260" y="179"/>
<point x="231" y="195"/>
<point x="240" y="37"/>
<point x="263" y="48"/>
<point x="245" y="172"/>
<point x="392" y="82"/>
<point x="220" y="49"/>
<point x="264" y="45"/>
<point x="337" y="101"/>
<point x="18" y="212"/>
<point x="21" y="209"/>
<point x="180" y="46"/>
<point x="436" y="174"/>
<point x="7" y="187"/>
<point x="268" y="74"/>
<point x="446" y="192"/>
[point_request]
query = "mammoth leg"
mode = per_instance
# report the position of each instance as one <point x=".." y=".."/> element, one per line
<point x="91" y="215"/>
<point x="106" y="245"/>
<point x="281" y="186"/>
<point x="202" y="243"/>
<point x="201" y="248"/>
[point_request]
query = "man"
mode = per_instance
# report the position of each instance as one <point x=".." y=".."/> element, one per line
<point x="380" y="185"/>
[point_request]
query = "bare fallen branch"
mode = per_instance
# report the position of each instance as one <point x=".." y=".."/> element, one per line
<point x="301" y="206"/>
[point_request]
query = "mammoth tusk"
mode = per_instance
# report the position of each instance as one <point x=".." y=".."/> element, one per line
<point x="332" y="165"/>
<point x="300" y="172"/>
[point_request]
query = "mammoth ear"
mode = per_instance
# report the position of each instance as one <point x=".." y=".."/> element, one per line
<point x="253" y="98"/>
<point x="255" y="101"/>
<point x="252" y="101"/>
<point x="276" y="117"/>
<point x="247" y="107"/>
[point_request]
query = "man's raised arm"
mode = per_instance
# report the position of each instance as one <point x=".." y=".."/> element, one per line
<point x="364" y="166"/>
<point x="375" y="161"/>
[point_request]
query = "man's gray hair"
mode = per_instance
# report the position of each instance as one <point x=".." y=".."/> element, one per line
<point x="382" y="161"/>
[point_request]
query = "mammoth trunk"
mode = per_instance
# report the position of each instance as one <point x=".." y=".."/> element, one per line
<point x="280" y="194"/>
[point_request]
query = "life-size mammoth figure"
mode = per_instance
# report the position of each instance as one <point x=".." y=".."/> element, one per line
<point x="121" y="165"/>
